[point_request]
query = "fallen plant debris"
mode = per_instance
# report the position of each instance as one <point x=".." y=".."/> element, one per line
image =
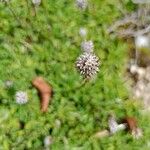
<point x="101" y="134"/>
<point x="45" y="92"/>
<point x="134" y="24"/>
<point x="114" y="126"/>
<point x="132" y="127"/>
<point x="141" y="85"/>
<point x="128" y="123"/>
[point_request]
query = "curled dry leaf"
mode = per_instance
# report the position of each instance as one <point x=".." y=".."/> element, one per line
<point x="132" y="126"/>
<point x="113" y="127"/>
<point x="45" y="92"/>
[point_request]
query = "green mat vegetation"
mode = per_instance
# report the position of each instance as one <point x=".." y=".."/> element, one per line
<point x="48" y="45"/>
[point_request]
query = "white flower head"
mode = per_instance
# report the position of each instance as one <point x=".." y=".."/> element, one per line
<point x="142" y="42"/>
<point x="87" y="46"/>
<point x="88" y="65"/>
<point x="36" y="2"/>
<point x="83" y="32"/>
<point x="82" y="4"/>
<point x="21" y="97"/>
<point x="57" y="123"/>
<point x="47" y="141"/>
<point x="8" y="84"/>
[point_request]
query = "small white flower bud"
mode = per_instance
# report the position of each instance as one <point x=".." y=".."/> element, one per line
<point x="36" y="2"/>
<point x="47" y="141"/>
<point x="87" y="46"/>
<point x="82" y="4"/>
<point x="8" y="84"/>
<point x="83" y="32"/>
<point x="142" y="42"/>
<point x="21" y="97"/>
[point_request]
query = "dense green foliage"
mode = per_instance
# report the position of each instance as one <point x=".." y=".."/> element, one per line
<point x="47" y="45"/>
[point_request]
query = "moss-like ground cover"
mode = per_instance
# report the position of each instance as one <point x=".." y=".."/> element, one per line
<point x="47" y="45"/>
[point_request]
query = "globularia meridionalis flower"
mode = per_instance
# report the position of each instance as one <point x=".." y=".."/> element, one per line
<point x="47" y="141"/>
<point x="82" y="4"/>
<point x="21" y="97"/>
<point x="88" y="65"/>
<point x="36" y="2"/>
<point x="87" y="46"/>
<point x="8" y="84"/>
<point x="83" y="32"/>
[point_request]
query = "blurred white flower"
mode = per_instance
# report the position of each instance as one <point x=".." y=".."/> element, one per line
<point x="88" y="65"/>
<point x="21" y="97"/>
<point x="57" y="123"/>
<point x="36" y="2"/>
<point x="8" y="84"/>
<point x="47" y="141"/>
<point x="142" y="42"/>
<point x="82" y="4"/>
<point x="87" y="46"/>
<point x="83" y="32"/>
